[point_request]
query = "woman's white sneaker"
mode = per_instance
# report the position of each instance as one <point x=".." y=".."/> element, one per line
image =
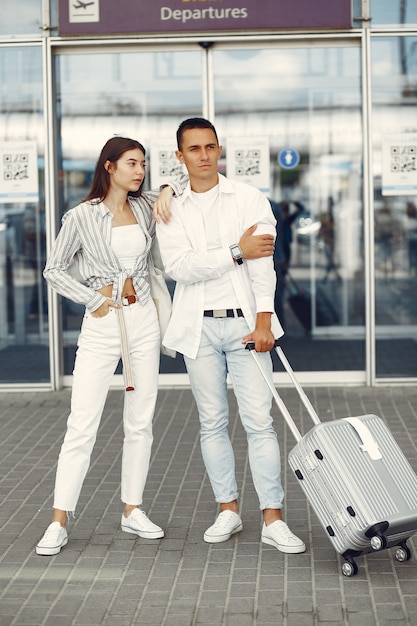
<point x="138" y="523"/>
<point x="227" y="524"/>
<point x="279" y="535"/>
<point x="54" y="538"/>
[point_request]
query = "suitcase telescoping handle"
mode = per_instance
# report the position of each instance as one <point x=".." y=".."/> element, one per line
<point x="304" y="399"/>
<point x="281" y="405"/>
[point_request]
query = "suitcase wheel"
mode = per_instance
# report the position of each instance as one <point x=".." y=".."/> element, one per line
<point x="376" y="535"/>
<point x="378" y="542"/>
<point x="403" y="553"/>
<point x="349" y="568"/>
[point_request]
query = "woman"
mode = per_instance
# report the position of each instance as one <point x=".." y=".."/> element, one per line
<point x="109" y="236"/>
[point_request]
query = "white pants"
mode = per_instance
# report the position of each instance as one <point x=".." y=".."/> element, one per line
<point x="96" y="360"/>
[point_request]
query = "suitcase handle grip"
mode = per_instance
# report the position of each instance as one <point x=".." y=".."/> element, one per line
<point x="368" y="444"/>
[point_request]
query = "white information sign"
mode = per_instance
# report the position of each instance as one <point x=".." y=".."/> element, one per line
<point x="84" y="11"/>
<point x="18" y="172"/>
<point x="399" y="165"/>
<point x="164" y="163"/>
<point x="248" y="161"/>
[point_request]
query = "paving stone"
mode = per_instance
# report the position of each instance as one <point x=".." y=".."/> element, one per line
<point x="104" y="577"/>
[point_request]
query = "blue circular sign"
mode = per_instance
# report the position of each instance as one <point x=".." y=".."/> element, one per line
<point x="288" y="158"/>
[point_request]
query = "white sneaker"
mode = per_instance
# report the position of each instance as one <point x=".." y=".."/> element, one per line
<point x="54" y="538"/>
<point x="227" y="524"/>
<point x="279" y="535"/>
<point x="138" y="523"/>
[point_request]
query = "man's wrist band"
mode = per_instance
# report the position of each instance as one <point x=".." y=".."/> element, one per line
<point x="236" y="253"/>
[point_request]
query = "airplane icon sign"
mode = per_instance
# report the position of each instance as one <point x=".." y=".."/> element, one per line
<point x="82" y="5"/>
<point x="84" y="11"/>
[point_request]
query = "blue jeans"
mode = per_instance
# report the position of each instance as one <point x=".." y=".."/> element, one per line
<point x="221" y="352"/>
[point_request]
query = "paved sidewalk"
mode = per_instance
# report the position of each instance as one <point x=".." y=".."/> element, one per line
<point x="107" y="577"/>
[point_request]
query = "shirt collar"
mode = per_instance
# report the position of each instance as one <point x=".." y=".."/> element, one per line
<point x="225" y="186"/>
<point x="101" y="208"/>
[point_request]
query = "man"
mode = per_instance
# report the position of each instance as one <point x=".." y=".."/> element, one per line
<point x="223" y="299"/>
<point x="282" y="253"/>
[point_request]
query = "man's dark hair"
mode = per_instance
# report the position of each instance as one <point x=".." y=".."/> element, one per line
<point x="194" y="122"/>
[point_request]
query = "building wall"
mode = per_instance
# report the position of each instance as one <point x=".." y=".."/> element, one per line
<point x="343" y="100"/>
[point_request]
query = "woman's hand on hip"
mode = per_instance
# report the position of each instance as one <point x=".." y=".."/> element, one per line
<point x="103" y="309"/>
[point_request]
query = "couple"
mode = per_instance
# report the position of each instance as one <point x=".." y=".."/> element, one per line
<point x="217" y="244"/>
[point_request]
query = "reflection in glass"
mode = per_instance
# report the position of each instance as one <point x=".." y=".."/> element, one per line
<point x="144" y="96"/>
<point x="306" y="101"/>
<point x="394" y="13"/>
<point x="395" y="220"/>
<point x="23" y="306"/>
<point x="20" y="18"/>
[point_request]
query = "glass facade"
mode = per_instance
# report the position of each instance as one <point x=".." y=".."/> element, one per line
<point x="23" y="307"/>
<point x="170" y="81"/>
<point x="394" y="13"/>
<point x="25" y="21"/>
<point x="348" y="289"/>
<point x="395" y="212"/>
<point x="309" y="99"/>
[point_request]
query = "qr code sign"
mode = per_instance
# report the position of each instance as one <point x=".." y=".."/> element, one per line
<point x="247" y="162"/>
<point x="168" y="163"/>
<point x="403" y="158"/>
<point x="15" y="166"/>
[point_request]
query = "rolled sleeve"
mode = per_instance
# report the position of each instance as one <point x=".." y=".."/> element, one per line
<point x="56" y="271"/>
<point x="264" y="304"/>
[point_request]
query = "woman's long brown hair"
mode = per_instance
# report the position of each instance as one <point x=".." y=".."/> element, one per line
<point x="112" y="150"/>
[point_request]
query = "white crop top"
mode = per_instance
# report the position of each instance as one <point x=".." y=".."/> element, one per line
<point x="128" y="242"/>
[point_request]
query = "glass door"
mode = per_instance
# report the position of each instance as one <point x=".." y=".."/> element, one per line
<point x="23" y="304"/>
<point x="300" y="104"/>
<point x="145" y="95"/>
<point x="395" y="205"/>
<point x="303" y="106"/>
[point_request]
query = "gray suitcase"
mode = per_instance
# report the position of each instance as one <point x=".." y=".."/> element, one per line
<point x="356" y="478"/>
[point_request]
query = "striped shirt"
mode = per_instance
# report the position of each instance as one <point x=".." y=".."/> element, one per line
<point x="85" y="239"/>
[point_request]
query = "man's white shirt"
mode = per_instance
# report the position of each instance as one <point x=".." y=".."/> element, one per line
<point x="190" y="261"/>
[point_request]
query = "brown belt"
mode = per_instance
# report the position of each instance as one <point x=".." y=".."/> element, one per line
<point x="130" y="299"/>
